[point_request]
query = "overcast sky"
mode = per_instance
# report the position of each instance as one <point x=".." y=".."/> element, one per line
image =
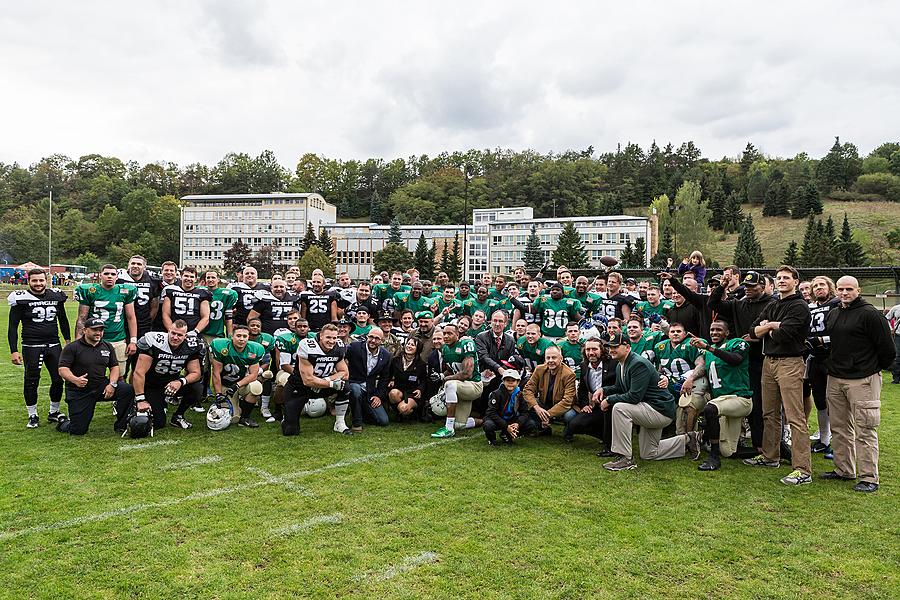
<point x="190" y="81"/>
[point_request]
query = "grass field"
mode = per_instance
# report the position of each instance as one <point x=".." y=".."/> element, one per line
<point x="392" y="514"/>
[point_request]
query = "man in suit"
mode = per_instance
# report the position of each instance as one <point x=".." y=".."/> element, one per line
<point x="369" y="365"/>
<point x="585" y="416"/>
<point x="493" y="346"/>
<point x="549" y="392"/>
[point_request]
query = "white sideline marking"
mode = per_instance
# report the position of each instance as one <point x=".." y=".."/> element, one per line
<point x="273" y="479"/>
<point x="142" y="446"/>
<point x="179" y="466"/>
<point x="307" y="524"/>
<point x="407" y="564"/>
<point x="127" y="510"/>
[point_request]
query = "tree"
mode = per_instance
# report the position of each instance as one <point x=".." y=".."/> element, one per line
<point x="806" y="201"/>
<point x="757" y="184"/>
<point x="717" y="208"/>
<point x="839" y="168"/>
<point x="626" y="259"/>
<point x="748" y="252"/>
<point x="89" y="261"/>
<point x="309" y="240"/>
<point x="691" y="221"/>
<point x="454" y="264"/>
<point x="570" y="249"/>
<point x="395" y="236"/>
<point x="828" y="245"/>
<point x="734" y="216"/>
<point x="664" y="251"/>
<point x="534" y="255"/>
<point x="391" y="258"/>
<point x="315" y="258"/>
<point x="639" y="255"/>
<point x="421" y="257"/>
<point x="264" y="261"/>
<point x="237" y="257"/>
<point x="850" y="252"/>
<point x="325" y="242"/>
<point x="432" y="257"/>
<point x="791" y="256"/>
<point x="445" y="258"/>
<point x="809" y="248"/>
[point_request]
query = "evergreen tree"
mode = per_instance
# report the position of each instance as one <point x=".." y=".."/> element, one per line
<point x="734" y="216"/>
<point x="454" y="266"/>
<point x="664" y="251"/>
<point x="325" y="242"/>
<point x="757" y="184"/>
<point x="432" y="257"/>
<point x="791" y="257"/>
<point x="315" y="258"/>
<point x="828" y="250"/>
<point x="534" y="255"/>
<point x="798" y="203"/>
<point x="810" y="243"/>
<point x="395" y="236"/>
<point x="570" y="249"/>
<point x="850" y="252"/>
<point x="717" y="206"/>
<point x="782" y="199"/>
<point x="626" y="258"/>
<point x="769" y="204"/>
<point x="309" y="240"/>
<point x="420" y="258"/>
<point x="748" y="252"/>
<point x="640" y="253"/>
<point x="813" y="201"/>
<point x="445" y="258"/>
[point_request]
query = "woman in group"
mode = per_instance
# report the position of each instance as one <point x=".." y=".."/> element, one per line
<point x="406" y="383"/>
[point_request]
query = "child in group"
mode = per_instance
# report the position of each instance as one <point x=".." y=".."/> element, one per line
<point x="695" y="264"/>
<point x="504" y="410"/>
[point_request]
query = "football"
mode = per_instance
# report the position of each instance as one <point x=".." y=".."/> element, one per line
<point x="609" y="261"/>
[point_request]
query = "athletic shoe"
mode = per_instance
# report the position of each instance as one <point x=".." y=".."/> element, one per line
<point x="819" y="447"/>
<point x="248" y="422"/>
<point x="341" y="427"/>
<point x="55" y="416"/>
<point x="815" y="437"/>
<point x="835" y="476"/>
<point x="180" y="421"/>
<point x="507" y="439"/>
<point x="33" y="421"/>
<point x="198" y="408"/>
<point x="624" y="463"/>
<point x="761" y="461"/>
<point x="692" y="447"/>
<point x="267" y="414"/>
<point x="829" y="453"/>
<point x="712" y="463"/>
<point x="493" y="443"/>
<point x="443" y="432"/>
<point x="270" y="419"/>
<point x="796" y="477"/>
<point x="866" y="487"/>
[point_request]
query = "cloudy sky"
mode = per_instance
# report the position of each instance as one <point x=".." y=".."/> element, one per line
<point x="191" y="81"/>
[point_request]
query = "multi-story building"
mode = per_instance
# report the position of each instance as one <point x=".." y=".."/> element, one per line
<point x="211" y="224"/>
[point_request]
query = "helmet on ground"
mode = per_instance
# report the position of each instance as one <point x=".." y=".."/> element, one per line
<point x="219" y="415"/>
<point x="140" y="423"/>
<point x="315" y="408"/>
<point x="438" y="404"/>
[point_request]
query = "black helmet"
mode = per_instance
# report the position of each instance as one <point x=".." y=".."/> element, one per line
<point x="140" y="423"/>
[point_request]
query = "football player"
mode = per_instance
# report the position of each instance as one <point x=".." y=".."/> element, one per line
<point x="319" y="371"/>
<point x="235" y="368"/>
<point x="187" y="302"/>
<point x="385" y="293"/>
<point x="42" y="313"/>
<point x="112" y="303"/>
<point x="680" y="364"/>
<point x="554" y="311"/>
<point x="317" y="306"/>
<point x="531" y="347"/>
<point x="462" y="381"/>
<point x="273" y="306"/>
<point x="571" y="348"/>
<point x="247" y="291"/>
<point x="146" y="302"/>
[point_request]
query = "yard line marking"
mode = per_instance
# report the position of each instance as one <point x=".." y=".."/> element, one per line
<point x="307" y="524"/>
<point x="126" y="447"/>
<point x="202" y="495"/>
<point x="407" y="564"/>
<point x="275" y="480"/>
<point x="187" y="464"/>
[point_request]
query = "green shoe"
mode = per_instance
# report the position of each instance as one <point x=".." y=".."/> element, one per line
<point x="443" y="432"/>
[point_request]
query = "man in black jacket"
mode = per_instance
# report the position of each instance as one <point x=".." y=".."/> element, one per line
<point x="861" y="347"/>
<point x="493" y="346"/>
<point x="597" y="370"/>
<point x="369" y="366"/>
<point x="691" y="308"/>
<point x="743" y="313"/>
<point x="783" y="327"/>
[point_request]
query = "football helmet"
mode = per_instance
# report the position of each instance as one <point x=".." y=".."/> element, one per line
<point x="140" y="423"/>
<point x="315" y="408"/>
<point x="219" y="415"/>
<point x="438" y="404"/>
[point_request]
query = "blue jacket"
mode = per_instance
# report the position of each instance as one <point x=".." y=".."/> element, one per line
<point x="357" y="363"/>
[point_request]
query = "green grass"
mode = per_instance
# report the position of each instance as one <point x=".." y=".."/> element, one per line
<point x="540" y="520"/>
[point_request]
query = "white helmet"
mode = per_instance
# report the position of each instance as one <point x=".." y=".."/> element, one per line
<point x="439" y="404"/>
<point x="315" y="408"/>
<point x="218" y="417"/>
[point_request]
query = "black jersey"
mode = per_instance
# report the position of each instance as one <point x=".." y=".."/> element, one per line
<point x="344" y="297"/>
<point x="186" y="305"/>
<point x="168" y="362"/>
<point x="318" y="308"/>
<point x="819" y="314"/>
<point x="273" y="311"/>
<point x="324" y="363"/>
<point x="148" y="287"/>
<point x="530" y="317"/>
<point x="247" y="297"/>
<point x="369" y="304"/>
<point x="612" y="306"/>
<point x="42" y="317"/>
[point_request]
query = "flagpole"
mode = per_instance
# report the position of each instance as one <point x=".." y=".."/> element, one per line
<point x="50" y="236"/>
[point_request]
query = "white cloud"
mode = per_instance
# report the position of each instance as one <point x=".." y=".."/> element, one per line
<point x="192" y="81"/>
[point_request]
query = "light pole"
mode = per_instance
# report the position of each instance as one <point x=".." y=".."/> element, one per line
<point x="465" y="252"/>
<point x="50" y="236"/>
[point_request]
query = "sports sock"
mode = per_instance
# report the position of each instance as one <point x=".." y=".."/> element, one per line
<point x="264" y="403"/>
<point x="54" y="407"/>
<point x="32" y="410"/>
<point x="824" y="426"/>
<point x="340" y="411"/>
<point x="450" y="423"/>
<point x="470" y="423"/>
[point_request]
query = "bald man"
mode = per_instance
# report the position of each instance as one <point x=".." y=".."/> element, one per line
<point x="861" y="347"/>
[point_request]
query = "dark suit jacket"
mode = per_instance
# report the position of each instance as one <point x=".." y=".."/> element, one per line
<point x="489" y="356"/>
<point x="357" y="363"/>
<point x="584" y="385"/>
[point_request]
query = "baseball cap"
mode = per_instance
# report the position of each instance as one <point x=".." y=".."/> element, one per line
<point x="752" y="278"/>
<point x="511" y="374"/>
<point x="424" y="314"/>
<point x="617" y="339"/>
<point x="343" y="321"/>
<point x="95" y="323"/>
<point x="360" y="309"/>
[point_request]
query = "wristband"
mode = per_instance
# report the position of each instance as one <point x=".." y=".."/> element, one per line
<point x="114" y="384"/>
<point x="182" y="380"/>
<point x="133" y="340"/>
<point x="138" y="398"/>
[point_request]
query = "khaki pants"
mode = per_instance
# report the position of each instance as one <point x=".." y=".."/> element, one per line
<point x="854" y="406"/>
<point x="652" y="422"/>
<point x="732" y="410"/>
<point x="697" y="401"/>
<point x="466" y="393"/>
<point x="121" y="357"/>
<point x="782" y="386"/>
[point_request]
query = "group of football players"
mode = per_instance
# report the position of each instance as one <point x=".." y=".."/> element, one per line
<point x="398" y="348"/>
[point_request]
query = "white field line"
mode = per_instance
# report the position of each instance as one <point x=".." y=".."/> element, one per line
<point x="407" y="564"/>
<point x="202" y="495"/>
<point x="145" y="445"/>
<point x="188" y="464"/>
<point x="307" y="524"/>
<point x="275" y="480"/>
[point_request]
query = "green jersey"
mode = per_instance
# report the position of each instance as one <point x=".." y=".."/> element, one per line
<point x="455" y="354"/>
<point x="405" y="301"/>
<point x="571" y="354"/>
<point x="647" y="344"/>
<point x="235" y="364"/>
<point x="287" y="342"/>
<point x="361" y="331"/>
<point x="385" y="296"/>
<point x="533" y="355"/>
<point x="476" y="330"/>
<point x="724" y="379"/>
<point x="675" y="361"/>
<point x="107" y="305"/>
<point x="590" y="302"/>
<point x="221" y="308"/>
<point x="556" y="314"/>
<point x="472" y="304"/>
<point x="267" y="341"/>
<point x="456" y="307"/>
<point x="646" y="309"/>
